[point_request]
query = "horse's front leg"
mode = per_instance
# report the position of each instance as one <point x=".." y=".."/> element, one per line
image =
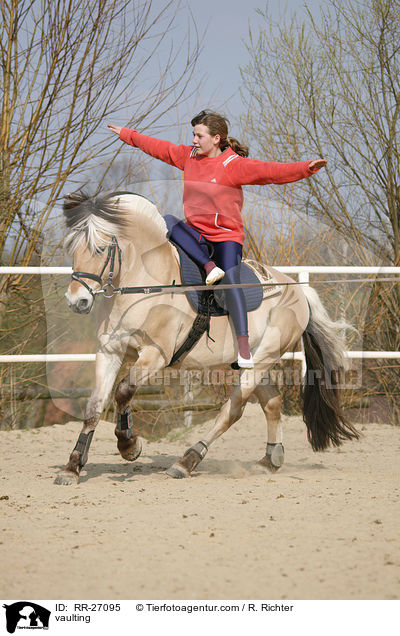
<point x="150" y="361"/>
<point x="107" y="367"/>
<point x="128" y="444"/>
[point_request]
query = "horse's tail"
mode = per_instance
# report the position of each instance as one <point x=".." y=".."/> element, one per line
<point x="323" y="347"/>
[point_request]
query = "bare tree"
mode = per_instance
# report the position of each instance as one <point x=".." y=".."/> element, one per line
<point x="67" y="68"/>
<point x="328" y="85"/>
<point x="67" y="65"/>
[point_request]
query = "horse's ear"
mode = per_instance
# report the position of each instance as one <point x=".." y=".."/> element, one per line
<point x="73" y="199"/>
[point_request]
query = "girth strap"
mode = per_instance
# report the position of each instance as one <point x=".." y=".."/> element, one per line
<point x="200" y="325"/>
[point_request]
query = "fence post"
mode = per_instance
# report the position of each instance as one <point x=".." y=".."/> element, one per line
<point x="188" y="397"/>
<point x="304" y="279"/>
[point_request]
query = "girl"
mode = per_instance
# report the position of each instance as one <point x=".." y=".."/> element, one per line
<point x="215" y="167"/>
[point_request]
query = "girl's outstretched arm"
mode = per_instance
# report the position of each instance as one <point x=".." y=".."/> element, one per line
<point x="244" y="171"/>
<point x="158" y="148"/>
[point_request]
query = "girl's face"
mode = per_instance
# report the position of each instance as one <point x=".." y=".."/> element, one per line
<point x="205" y="143"/>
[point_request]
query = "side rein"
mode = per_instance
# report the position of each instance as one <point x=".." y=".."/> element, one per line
<point x="109" y="290"/>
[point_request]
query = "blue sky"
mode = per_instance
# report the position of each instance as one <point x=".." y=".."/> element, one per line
<point x="224" y="24"/>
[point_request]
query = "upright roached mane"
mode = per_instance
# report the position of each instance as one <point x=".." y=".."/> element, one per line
<point x="92" y="221"/>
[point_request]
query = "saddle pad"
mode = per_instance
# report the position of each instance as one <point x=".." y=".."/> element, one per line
<point x="213" y="301"/>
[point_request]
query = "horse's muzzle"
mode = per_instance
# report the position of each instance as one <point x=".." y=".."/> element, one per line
<point x="80" y="305"/>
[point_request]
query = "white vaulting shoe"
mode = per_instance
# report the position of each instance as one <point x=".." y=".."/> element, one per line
<point x="245" y="363"/>
<point x="215" y="275"/>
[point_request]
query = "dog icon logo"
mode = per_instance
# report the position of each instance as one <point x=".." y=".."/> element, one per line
<point x="26" y="615"/>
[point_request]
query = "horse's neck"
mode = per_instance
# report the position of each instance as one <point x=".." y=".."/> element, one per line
<point x="147" y="255"/>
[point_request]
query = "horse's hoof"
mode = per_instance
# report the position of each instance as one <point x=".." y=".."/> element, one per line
<point x="265" y="464"/>
<point x="177" y="472"/>
<point x="132" y="453"/>
<point x="66" y="479"/>
<point x="273" y="459"/>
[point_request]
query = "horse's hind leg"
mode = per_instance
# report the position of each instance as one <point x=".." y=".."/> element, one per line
<point x="270" y="400"/>
<point x="106" y="371"/>
<point x="128" y="444"/>
<point x="230" y="413"/>
<point x="276" y="339"/>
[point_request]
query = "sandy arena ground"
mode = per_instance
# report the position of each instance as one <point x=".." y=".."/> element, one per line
<point x="325" y="527"/>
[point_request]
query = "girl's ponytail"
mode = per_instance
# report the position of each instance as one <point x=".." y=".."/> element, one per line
<point x="238" y="147"/>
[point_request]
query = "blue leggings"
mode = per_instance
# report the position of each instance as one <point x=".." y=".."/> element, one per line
<point x="226" y="254"/>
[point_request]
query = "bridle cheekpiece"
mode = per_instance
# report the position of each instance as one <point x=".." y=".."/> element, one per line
<point x="108" y="289"/>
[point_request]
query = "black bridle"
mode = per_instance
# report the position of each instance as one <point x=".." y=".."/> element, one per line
<point x="113" y="250"/>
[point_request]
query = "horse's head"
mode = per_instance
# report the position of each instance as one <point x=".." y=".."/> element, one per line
<point x="93" y="226"/>
<point x="83" y="288"/>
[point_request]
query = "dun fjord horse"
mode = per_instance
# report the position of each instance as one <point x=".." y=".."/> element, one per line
<point x="120" y="240"/>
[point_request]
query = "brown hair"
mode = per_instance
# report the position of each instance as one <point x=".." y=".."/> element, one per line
<point x="218" y="125"/>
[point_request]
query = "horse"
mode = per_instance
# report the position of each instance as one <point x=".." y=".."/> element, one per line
<point x="119" y="238"/>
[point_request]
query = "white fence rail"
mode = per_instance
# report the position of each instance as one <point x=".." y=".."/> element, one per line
<point x="303" y="272"/>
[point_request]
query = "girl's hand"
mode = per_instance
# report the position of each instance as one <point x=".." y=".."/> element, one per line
<point x="317" y="164"/>
<point x="115" y="129"/>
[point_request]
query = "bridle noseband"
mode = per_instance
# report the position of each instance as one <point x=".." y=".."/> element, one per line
<point x="113" y="249"/>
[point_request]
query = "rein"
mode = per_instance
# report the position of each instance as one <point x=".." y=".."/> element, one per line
<point x="109" y="289"/>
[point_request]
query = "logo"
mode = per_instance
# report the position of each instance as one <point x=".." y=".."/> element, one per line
<point x="26" y="615"/>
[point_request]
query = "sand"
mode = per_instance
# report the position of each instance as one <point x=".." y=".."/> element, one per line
<point x="325" y="527"/>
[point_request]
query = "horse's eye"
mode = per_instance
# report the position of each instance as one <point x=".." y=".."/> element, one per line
<point x="100" y="250"/>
